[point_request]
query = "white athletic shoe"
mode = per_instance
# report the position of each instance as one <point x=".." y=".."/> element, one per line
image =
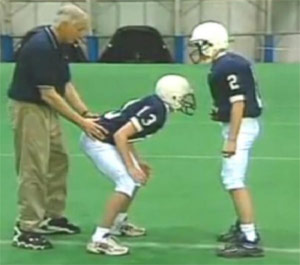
<point x="109" y="246"/>
<point x="130" y="230"/>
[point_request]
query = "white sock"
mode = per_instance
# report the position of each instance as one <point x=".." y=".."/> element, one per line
<point x="249" y="231"/>
<point x="119" y="221"/>
<point x="99" y="234"/>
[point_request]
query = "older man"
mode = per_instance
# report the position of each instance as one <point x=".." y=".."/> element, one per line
<point x="40" y="90"/>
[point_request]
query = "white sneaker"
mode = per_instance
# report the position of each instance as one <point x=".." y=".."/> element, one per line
<point x="109" y="246"/>
<point x="130" y="230"/>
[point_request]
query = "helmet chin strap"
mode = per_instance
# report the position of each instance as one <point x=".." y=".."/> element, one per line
<point x="206" y="53"/>
<point x="169" y="107"/>
<point x="207" y="59"/>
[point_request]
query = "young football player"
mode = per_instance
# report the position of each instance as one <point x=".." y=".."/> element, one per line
<point x="237" y="105"/>
<point x="116" y="157"/>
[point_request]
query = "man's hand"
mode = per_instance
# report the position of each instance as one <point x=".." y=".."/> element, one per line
<point x="229" y="148"/>
<point x="93" y="129"/>
<point x="138" y="175"/>
<point x="90" y="115"/>
<point x="146" y="168"/>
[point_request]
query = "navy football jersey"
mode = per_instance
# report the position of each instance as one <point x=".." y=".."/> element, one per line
<point x="232" y="79"/>
<point x="148" y="115"/>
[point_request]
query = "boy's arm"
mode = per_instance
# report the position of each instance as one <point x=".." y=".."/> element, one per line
<point x="121" y="139"/>
<point x="133" y="151"/>
<point x="236" y="117"/>
<point x="143" y="165"/>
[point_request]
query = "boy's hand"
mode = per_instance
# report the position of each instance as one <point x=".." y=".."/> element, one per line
<point x="146" y="168"/>
<point x="229" y="148"/>
<point x="138" y="175"/>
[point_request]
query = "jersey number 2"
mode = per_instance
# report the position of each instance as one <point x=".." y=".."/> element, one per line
<point x="232" y="80"/>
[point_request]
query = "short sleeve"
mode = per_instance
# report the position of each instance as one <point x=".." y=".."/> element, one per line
<point x="68" y="73"/>
<point x="236" y="82"/>
<point x="145" y="119"/>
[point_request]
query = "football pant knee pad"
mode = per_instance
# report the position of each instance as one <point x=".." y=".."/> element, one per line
<point x="126" y="185"/>
<point x="232" y="182"/>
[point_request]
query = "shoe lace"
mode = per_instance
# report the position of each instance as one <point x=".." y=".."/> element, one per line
<point x="35" y="238"/>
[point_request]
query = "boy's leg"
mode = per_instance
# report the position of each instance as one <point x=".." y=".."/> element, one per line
<point x="243" y="205"/>
<point x="107" y="159"/>
<point x="233" y="177"/>
<point x="122" y="227"/>
<point x="116" y="205"/>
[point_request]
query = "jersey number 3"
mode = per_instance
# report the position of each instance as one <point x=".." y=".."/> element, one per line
<point x="147" y="121"/>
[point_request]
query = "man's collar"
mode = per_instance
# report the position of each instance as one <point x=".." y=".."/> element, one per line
<point x="52" y="36"/>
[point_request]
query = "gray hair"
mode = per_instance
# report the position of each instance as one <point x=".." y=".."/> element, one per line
<point x="70" y="13"/>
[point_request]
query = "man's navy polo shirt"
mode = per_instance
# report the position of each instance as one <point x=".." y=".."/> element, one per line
<point x="40" y="62"/>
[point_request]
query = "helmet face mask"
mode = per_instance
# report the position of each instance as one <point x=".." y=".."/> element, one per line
<point x="200" y="51"/>
<point x="188" y="104"/>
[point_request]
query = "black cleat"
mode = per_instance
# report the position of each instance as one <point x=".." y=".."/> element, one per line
<point x="231" y="235"/>
<point x="30" y="240"/>
<point x="241" y="248"/>
<point x="58" y="226"/>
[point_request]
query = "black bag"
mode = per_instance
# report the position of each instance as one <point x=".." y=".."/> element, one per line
<point x="72" y="52"/>
<point x="136" y="44"/>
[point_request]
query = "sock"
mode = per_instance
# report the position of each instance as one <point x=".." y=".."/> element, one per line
<point x="249" y="231"/>
<point x="119" y="221"/>
<point x="99" y="234"/>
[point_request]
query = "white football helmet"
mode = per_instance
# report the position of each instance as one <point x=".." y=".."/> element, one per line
<point x="209" y="38"/>
<point x="177" y="93"/>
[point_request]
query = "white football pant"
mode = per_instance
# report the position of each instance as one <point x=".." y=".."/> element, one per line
<point x="108" y="160"/>
<point x="234" y="168"/>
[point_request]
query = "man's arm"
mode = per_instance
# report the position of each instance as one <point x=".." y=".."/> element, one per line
<point x="75" y="100"/>
<point x="50" y="96"/>
<point x="236" y="117"/>
<point x="121" y="139"/>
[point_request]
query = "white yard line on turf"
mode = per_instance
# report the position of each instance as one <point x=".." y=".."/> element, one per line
<point x="164" y="245"/>
<point x="272" y="158"/>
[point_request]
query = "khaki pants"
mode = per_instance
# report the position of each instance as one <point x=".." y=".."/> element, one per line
<point x="41" y="163"/>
